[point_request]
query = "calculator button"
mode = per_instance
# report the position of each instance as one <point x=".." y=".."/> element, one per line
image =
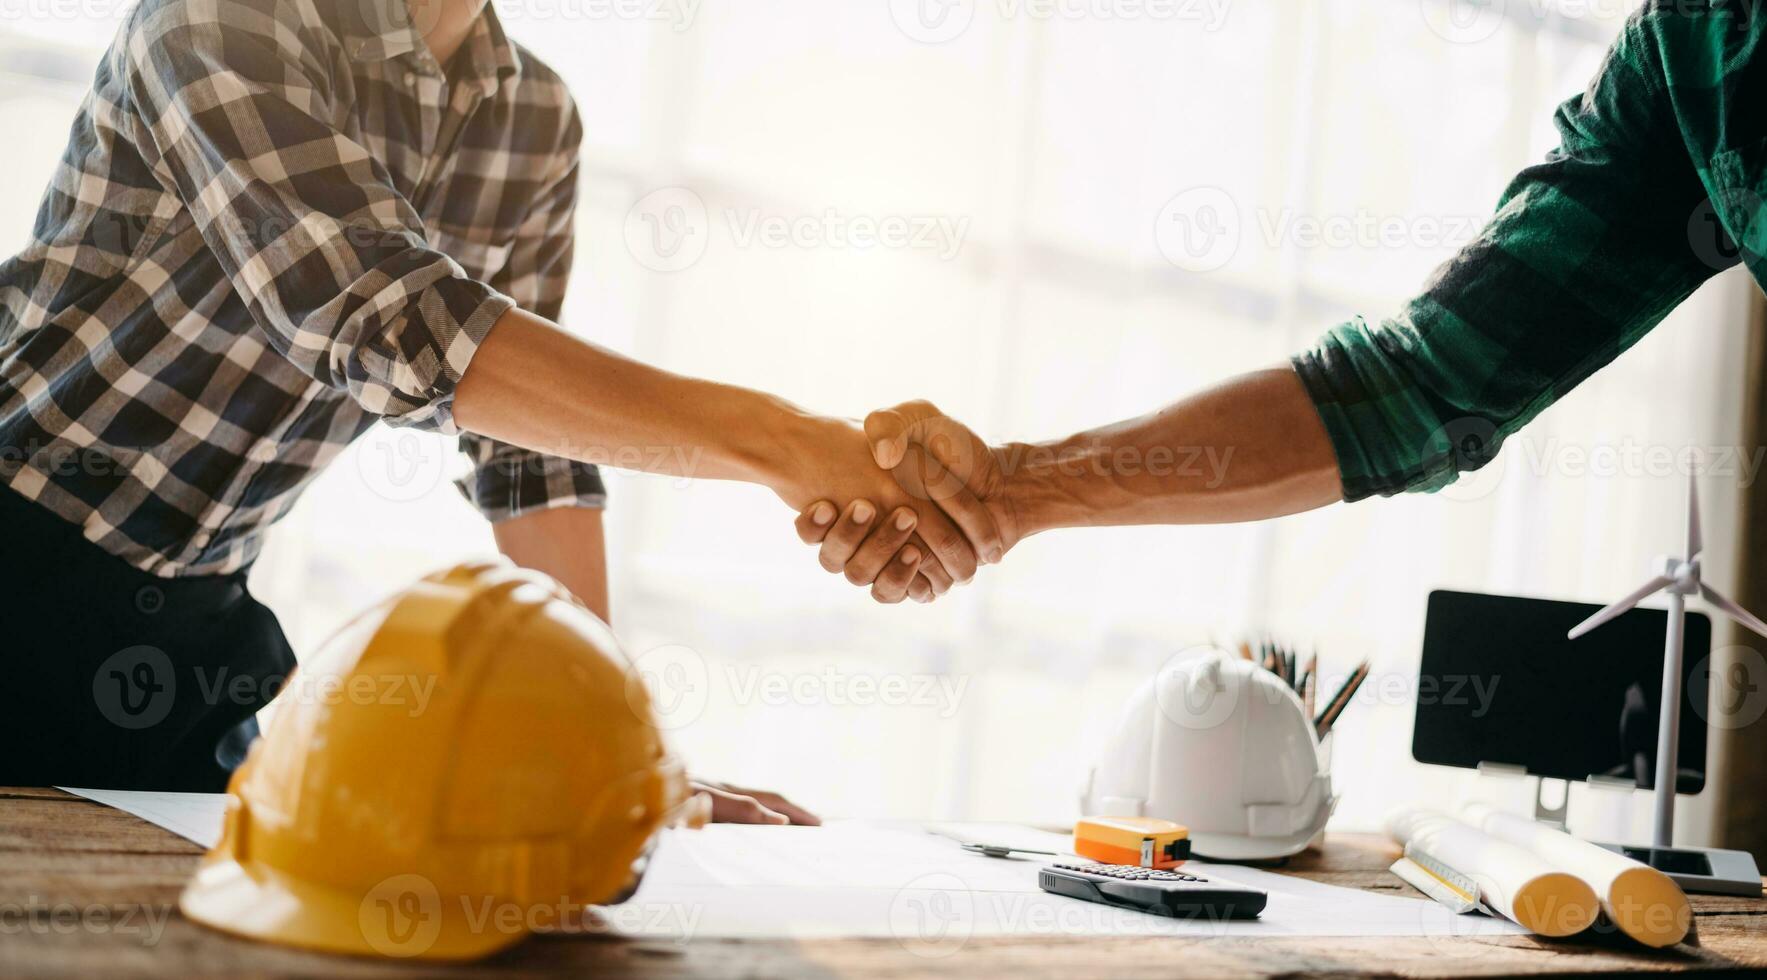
<point x="1129" y="872"/>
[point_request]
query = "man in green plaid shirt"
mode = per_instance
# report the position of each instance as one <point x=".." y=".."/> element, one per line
<point x="1656" y="174"/>
<point x="1657" y="185"/>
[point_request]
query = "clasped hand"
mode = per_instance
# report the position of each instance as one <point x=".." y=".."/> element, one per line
<point x="940" y="511"/>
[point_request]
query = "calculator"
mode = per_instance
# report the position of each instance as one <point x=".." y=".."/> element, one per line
<point x="1170" y="893"/>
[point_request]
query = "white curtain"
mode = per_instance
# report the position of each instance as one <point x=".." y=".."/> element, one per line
<point x="858" y="202"/>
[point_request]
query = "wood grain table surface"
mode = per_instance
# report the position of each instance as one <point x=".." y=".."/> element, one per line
<point x="91" y="891"/>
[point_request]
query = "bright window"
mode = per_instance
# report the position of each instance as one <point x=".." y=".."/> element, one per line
<point x="1045" y="148"/>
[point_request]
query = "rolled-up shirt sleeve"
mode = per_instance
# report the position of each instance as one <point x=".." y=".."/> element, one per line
<point x="507" y="481"/>
<point x="328" y="256"/>
<point x="1588" y="251"/>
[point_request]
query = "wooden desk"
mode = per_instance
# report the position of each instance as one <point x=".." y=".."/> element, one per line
<point x="81" y="886"/>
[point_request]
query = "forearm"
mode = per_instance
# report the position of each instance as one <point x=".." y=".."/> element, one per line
<point x="1250" y="448"/>
<point x="533" y="385"/>
<point x="567" y="543"/>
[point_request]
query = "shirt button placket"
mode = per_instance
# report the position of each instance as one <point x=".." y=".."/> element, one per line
<point x="426" y="90"/>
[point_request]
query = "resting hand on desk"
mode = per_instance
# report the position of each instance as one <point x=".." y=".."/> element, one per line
<point x="734" y="804"/>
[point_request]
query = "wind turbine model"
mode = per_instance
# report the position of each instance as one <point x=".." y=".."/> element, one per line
<point x="1705" y="869"/>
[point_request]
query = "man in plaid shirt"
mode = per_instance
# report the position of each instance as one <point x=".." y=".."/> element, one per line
<point x="277" y="222"/>
<point x="1658" y="183"/>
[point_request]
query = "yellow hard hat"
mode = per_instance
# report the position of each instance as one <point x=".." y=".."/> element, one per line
<point x="468" y="761"/>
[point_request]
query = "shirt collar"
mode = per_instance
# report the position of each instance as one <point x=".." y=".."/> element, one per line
<point x="381" y="31"/>
<point x="377" y="31"/>
<point x="491" y="55"/>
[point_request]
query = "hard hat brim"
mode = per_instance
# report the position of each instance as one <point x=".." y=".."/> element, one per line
<point x="1238" y="847"/>
<point x="258" y="902"/>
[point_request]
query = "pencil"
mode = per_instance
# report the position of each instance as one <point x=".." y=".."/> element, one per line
<point x="1335" y="706"/>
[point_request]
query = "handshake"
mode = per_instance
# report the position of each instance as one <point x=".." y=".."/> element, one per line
<point x="915" y="503"/>
<point x="928" y="507"/>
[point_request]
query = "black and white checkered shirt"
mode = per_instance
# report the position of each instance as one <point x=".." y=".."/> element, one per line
<point x="277" y="221"/>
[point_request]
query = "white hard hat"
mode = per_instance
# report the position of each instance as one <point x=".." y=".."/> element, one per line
<point x="1225" y="748"/>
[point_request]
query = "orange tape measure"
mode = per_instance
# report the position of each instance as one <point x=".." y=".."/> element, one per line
<point x="1140" y="841"/>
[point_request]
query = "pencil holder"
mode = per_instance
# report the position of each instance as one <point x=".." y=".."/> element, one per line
<point x="1223" y="747"/>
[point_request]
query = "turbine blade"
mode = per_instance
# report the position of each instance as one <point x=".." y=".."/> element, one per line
<point x="1694" y="545"/>
<point x="1638" y="595"/>
<point x="1733" y="610"/>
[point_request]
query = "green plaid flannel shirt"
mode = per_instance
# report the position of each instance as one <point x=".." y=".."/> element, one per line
<point x="1657" y="185"/>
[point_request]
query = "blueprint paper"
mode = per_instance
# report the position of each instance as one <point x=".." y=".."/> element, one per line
<point x="883" y="880"/>
<point x="192" y="816"/>
<point x="863" y="879"/>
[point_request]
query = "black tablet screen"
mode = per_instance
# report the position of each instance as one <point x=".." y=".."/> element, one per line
<point x="1500" y="683"/>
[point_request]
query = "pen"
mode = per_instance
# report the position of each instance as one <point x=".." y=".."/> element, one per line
<point x="1000" y="850"/>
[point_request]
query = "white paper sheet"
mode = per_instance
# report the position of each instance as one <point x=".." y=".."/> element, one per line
<point x="192" y="816"/>
<point x="892" y="880"/>
<point x="862" y="879"/>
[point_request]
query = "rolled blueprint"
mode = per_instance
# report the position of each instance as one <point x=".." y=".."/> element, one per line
<point x="1642" y="901"/>
<point x="1512" y="881"/>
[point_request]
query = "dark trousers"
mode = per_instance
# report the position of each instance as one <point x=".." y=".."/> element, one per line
<point x="114" y="678"/>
